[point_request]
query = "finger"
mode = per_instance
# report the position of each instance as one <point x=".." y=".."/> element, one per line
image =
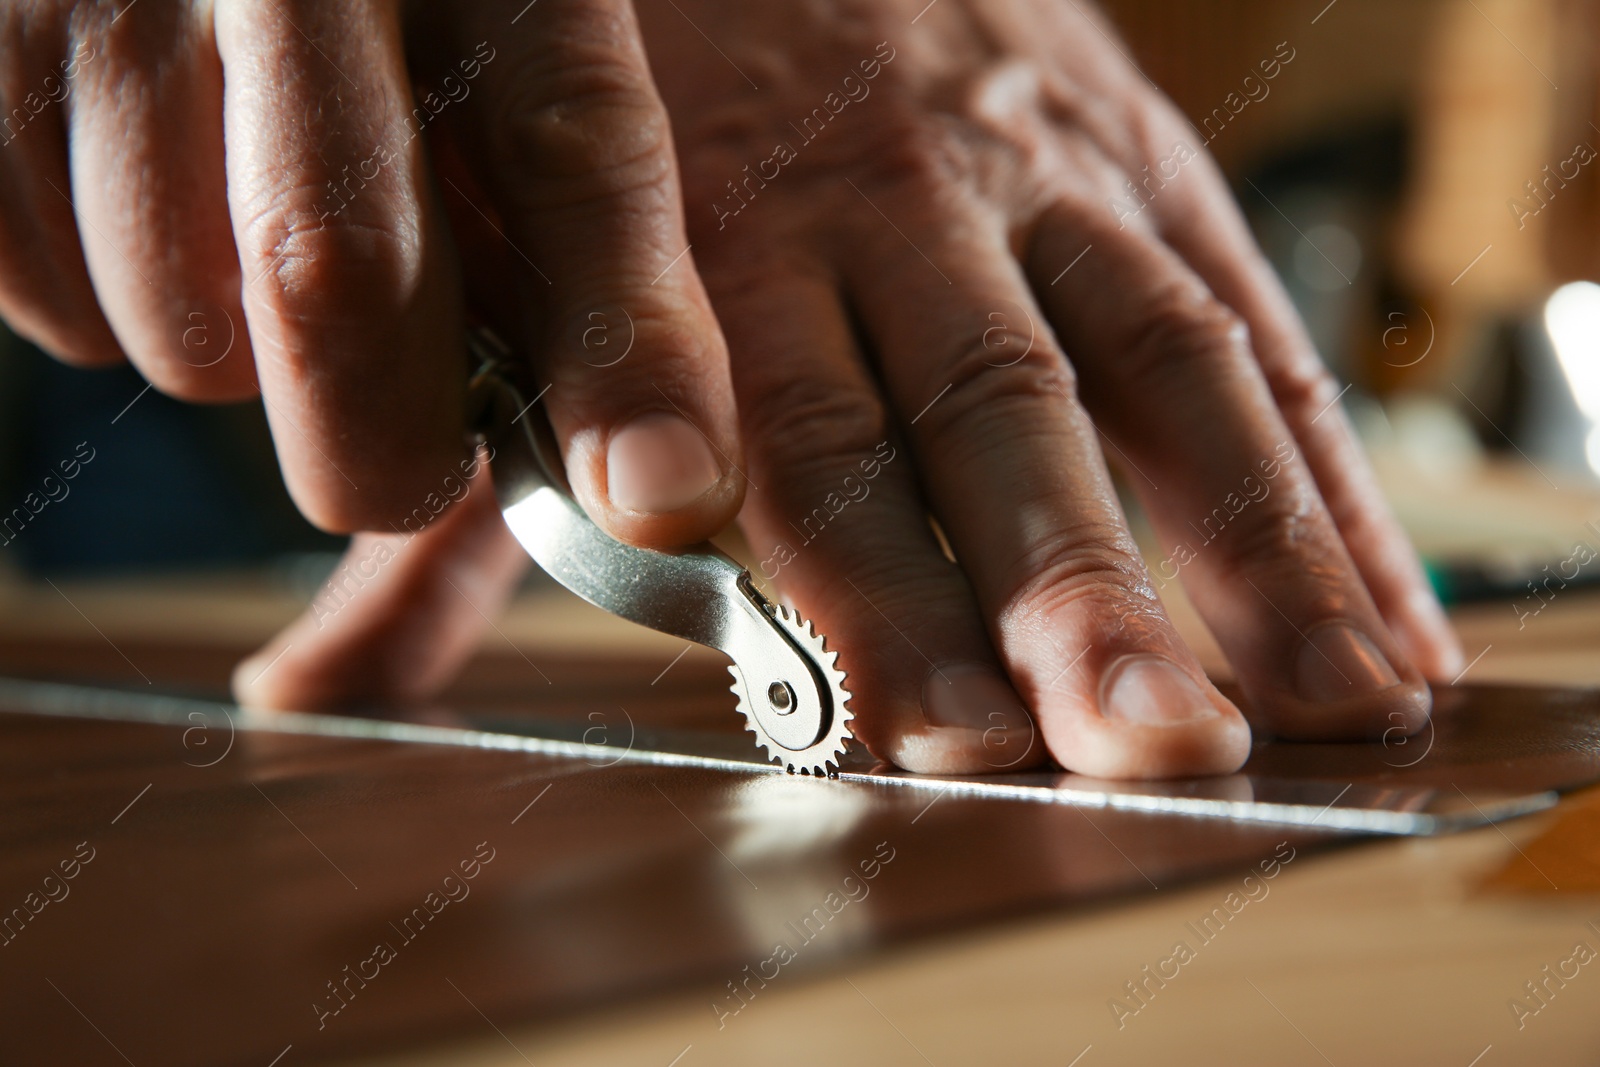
<point x="147" y="159"/>
<point x="576" y="156"/>
<point x="349" y="291"/>
<point x="1169" y="371"/>
<point x="1013" y="468"/>
<point x="45" y="294"/>
<point x="837" y="523"/>
<point x="1204" y="226"/>
<point x="397" y="618"/>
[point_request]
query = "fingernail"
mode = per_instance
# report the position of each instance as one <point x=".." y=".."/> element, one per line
<point x="1338" y="662"/>
<point x="659" y="462"/>
<point x="1151" y="691"/>
<point x="970" y="695"/>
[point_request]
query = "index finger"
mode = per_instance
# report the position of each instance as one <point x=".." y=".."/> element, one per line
<point x="350" y="295"/>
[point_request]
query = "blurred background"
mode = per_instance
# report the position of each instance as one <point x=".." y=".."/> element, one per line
<point x="1422" y="173"/>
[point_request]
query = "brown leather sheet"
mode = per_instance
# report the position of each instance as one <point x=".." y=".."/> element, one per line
<point x="237" y="896"/>
<point x="214" y="919"/>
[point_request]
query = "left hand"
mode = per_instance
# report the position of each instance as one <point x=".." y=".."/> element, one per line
<point x="963" y="232"/>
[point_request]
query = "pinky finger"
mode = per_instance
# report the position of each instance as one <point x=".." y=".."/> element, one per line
<point x="1208" y="232"/>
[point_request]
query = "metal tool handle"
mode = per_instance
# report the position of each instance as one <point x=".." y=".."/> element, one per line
<point x="685" y="594"/>
<point x="699" y="594"/>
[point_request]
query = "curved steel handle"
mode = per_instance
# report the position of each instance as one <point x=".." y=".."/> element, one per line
<point x="699" y="594"/>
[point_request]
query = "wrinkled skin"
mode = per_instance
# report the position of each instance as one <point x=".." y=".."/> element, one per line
<point x="939" y="296"/>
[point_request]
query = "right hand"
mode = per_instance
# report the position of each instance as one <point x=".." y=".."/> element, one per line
<point x="860" y="285"/>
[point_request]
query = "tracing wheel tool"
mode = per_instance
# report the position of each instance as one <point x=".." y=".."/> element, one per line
<point x="790" y="689"/>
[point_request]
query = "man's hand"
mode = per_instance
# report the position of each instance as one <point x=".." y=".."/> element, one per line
<point x="974" y="229"/>
<point x="963" y="253"/>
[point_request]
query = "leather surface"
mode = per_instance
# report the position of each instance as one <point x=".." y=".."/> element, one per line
<point x="217" y="908"/>
<point x="233" y="879"/>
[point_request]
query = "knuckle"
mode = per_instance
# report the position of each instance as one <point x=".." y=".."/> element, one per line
<point x="1184" y="325"/>
<point x="1284" y="546"/>
<point x="993" y="378"/>
<point x="1303" y="390"/>
<point x="891" y="588"/>
<point x="328" y="270"/>
<point x="1091" y="567"/>
<point x="588" y="128"/>
<point x="915" y="156"/>
<point x="1153" y="127"/>
<point x="786" y="425"/>
<point x="1272" y="538"/>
